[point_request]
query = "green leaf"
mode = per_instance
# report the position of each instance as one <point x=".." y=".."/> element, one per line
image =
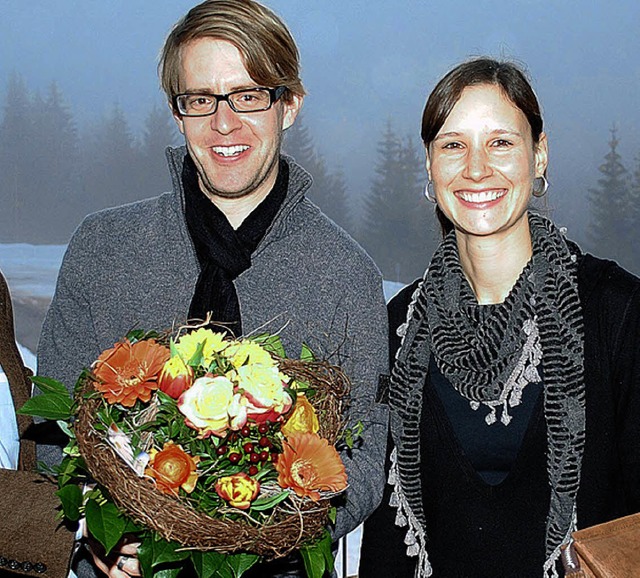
<point x="164" y="552"/>
<point x="71" y="500"/>
<point x="306" y="354"/>
<point x="240" y="563"/>
<point x="332" y="514"/>
<point x="105" y="523"/>
<point x="318" y="557"/>
<point x="168" y="572"/>
<point x="145" y="556"/>
<point x="314" y="562"/>
<point x="207" y="564"/>
<point x="48" y="385"/>
<point x="53" y="406"/>
<point x="266" y="503"/>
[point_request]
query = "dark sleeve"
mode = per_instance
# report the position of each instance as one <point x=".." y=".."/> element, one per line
<point x="383" y="551"/>
<point x="627" y="379"/>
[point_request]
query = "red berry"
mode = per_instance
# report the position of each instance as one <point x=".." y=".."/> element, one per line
<point x="221" y="450"/>
<point x="248" y="447"/>
<point x="265" y="442"/>
<point x="253" y="470"/>
<point x="263" y="428"/>
<point x="245" y="431"/>
<point x="274" y="457"/>
<point x="264" y="455"/>
<point x="234" y="458"/>
<point x="254" y="458"/>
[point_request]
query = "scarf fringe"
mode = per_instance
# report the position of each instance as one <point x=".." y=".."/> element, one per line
<point x="415" y="539"/>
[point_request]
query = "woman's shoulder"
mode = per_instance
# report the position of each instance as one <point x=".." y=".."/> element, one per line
<point x="604" y="283"/>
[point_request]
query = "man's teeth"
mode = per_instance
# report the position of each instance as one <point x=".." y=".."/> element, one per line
<point x="482" y="196"/>
<point x="230" y="151"/>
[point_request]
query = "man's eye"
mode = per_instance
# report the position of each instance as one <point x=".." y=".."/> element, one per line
<point x="502" y="143"/>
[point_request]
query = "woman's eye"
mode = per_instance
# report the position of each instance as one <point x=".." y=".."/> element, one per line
<point x="452" y="145"/>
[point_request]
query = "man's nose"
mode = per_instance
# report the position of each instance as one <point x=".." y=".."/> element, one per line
<point x="225" y="120"/>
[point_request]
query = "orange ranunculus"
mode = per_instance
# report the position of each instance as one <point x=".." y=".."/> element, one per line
<point x="303" y="419"/>
<point x="309" y="464"/>
<point x="176" y="376"/>
<point x="239" y="490"/>
<point x="127" y="373"/>
<point x="173" y="468"/>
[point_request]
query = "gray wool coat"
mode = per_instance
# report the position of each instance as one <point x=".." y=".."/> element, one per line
<point x="135" y="266"/>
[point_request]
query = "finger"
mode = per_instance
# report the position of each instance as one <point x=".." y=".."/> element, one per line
<point x="130" y="549"/>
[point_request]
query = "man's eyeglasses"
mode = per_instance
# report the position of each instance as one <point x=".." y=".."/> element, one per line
<point x="245" y="100"/>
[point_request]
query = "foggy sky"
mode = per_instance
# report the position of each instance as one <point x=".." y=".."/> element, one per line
<point x="364" y="63"/>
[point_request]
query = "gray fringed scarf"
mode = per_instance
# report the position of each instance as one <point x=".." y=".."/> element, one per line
<point x="483" y="355"/>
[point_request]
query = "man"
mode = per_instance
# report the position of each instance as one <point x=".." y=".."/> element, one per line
<point x="236" y="237"/>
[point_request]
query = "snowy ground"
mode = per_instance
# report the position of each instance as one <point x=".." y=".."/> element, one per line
<point x="31" y="272"/>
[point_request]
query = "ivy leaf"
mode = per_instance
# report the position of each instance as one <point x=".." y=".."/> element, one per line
<point x="164" y="552"/>
<point x="240" y="563"/>
<point x="48" y="385"/>
<point x="105" y="523"/>
<point x="145" y="556"/>
<point x="54" y="406"/>
<point x="207" y="564"/>
<point x="318" y="557"/>
<point x="314" y="561"/>
<point x="71" y="500"/>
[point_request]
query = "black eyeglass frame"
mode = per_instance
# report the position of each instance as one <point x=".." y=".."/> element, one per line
<point x="274" y="95"/>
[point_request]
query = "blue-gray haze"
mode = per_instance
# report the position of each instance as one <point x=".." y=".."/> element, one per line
<point x="365" y="63"/>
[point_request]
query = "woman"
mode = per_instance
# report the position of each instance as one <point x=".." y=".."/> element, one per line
<point x="515" y="392"/>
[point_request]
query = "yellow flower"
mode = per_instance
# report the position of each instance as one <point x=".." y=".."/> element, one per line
<point x="303" y="419"/>
<point x="206" y="405"/>
<point x="173" y="468"/>
<point x="248" y="352"/>
<point x="239" y="490"/>
<point x="188" y="344"/>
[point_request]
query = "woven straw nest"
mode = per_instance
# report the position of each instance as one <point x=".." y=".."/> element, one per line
<point x="292" y="523"/>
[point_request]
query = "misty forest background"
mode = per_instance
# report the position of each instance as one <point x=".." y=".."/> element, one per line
<point x="54" y="172"/>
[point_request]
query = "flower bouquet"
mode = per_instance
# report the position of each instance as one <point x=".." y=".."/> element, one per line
<point x="212" y="451"/>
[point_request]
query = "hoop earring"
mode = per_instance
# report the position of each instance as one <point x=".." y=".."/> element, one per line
<point x="429" y="192"/>
<point x="540" y="186"/>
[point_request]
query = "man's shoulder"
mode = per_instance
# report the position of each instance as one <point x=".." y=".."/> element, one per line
<point x="329" y="239"/>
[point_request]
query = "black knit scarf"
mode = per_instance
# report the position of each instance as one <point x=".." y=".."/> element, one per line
<point x="224" y="253"/>
<point x="477" y="349"/>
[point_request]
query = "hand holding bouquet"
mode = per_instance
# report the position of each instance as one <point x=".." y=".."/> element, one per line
<point x="214" y="452"/>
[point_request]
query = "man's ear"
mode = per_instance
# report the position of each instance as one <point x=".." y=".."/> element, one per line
<point x="177" y="118"/>
<point x="291" y="110"/>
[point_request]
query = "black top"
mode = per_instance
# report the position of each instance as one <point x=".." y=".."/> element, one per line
<point x="475" y="529"/>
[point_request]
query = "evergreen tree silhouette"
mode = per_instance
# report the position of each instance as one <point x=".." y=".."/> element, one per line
<point x="610" y="205"/>
<point x="329" y="189"/>
<point x="398" y="230"/>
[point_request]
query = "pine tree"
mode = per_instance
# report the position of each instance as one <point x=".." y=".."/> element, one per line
<point x="397" y="229"/>
<point x="58" y="184"/>
<point x="329" y="189"/>
<point x="159" y="133"/>
<point x="110" y="164"/>
<point x="634" y="219"/>
<point x="16" y="161"/>
<point x="610" y="206"/>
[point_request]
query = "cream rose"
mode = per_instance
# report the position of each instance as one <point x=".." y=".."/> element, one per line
<point x="206" y="405"/>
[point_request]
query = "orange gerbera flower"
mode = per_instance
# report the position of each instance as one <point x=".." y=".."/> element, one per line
<point x="127" y="373"/>
<point x="309" y="464"/>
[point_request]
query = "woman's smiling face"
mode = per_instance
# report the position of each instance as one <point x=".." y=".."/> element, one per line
<point x="483" y="162"/>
